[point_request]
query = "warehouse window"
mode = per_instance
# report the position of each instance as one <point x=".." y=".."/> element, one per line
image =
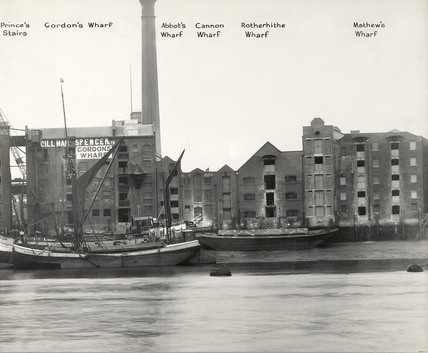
<point x="361" y="211"/>
<point x="269" y="182"/>
<point x="319" y="211"/>
<point x="250" y="214"/>
<point x="291" y="196"/>
<point x="248" y="181"/>
<point x="395" y="209"/>
<point x="270" y="212"/>
<point x="291" y="213"/>
<point x="290" y="179"/>
<point x="270" y="199"/>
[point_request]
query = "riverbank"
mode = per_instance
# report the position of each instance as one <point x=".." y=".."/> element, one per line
<point x="382" y="255"/>
<point x="355" y="256"/>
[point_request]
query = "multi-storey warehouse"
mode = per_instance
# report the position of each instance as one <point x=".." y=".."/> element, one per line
<point x="128" y="190"/>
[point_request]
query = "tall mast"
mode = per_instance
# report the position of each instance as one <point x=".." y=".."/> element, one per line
<point x="70" y="170"/>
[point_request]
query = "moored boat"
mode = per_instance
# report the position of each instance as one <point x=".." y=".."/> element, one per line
<point x="158" y="255"/>
<point x="265" y="239"/>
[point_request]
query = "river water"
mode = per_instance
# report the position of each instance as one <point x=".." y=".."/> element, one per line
<point x="184" y="309"/>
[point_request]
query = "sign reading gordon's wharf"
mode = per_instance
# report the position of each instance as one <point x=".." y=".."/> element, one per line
<point x="86" y="148"/>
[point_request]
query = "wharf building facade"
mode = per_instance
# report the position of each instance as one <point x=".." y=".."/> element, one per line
<point x="128" y="185"/>
<point x="373" y="185"/>
<point x="370" y="185"/>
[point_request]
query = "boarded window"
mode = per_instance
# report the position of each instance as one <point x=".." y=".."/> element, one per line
<point x="375" y="146"/>
<point x="413" y="178"/>
<point x="319" y="181"/>
<point x="375" y="163"/>
<point x="290" y="179"/>
<point x="291" y="196"/>
<point x="291" y="213"/>
<point x="412" y="145"/>
<point x="249" y="197"/>
<point x="342" y="180"/>
<point x="413" y="162"/>
<point x="248" y="181"/>
<point x="343" y="196"/>
<point x="197" y="195"/>
<point x="319" y="197"/>
<point x="319" y="211"/>
<point x="318" y="146"/>
<point x="147" y="152"/>
<point x="226" y="184"/>
<point x="227" y="213"/>
<point x="227" y="201"/>
<point x="250" y="214"/>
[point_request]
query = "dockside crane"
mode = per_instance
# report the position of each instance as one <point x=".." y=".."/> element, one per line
<point x="19" y="162"/>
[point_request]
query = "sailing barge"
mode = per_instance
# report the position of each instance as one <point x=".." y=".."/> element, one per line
<point x="85" y="255"/>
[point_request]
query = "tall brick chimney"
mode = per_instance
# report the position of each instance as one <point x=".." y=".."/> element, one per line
<point x="150" y="93"/>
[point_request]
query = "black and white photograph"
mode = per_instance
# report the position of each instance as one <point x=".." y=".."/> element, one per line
<point x="213" y="176"/>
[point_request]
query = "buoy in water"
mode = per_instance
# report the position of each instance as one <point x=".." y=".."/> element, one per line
<point x="415" y="268"/>
<point x="223" y="271"/>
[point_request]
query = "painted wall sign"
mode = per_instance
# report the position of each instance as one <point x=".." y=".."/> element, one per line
<point x="86" y="148"/>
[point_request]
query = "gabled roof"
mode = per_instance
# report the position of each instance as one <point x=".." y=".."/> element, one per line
<point x="266" y="149"/>
<point x="226" y="168"/>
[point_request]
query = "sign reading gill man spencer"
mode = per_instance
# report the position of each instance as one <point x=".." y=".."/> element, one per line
<point x="86" y="148"/>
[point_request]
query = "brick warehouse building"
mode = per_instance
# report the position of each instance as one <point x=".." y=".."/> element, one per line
<point x="365" y="183"/>
<point x="129" y="189"/>
<point x="371" y="185"/>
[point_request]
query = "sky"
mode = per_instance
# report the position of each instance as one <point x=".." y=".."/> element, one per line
<point x="221" y="99"/>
